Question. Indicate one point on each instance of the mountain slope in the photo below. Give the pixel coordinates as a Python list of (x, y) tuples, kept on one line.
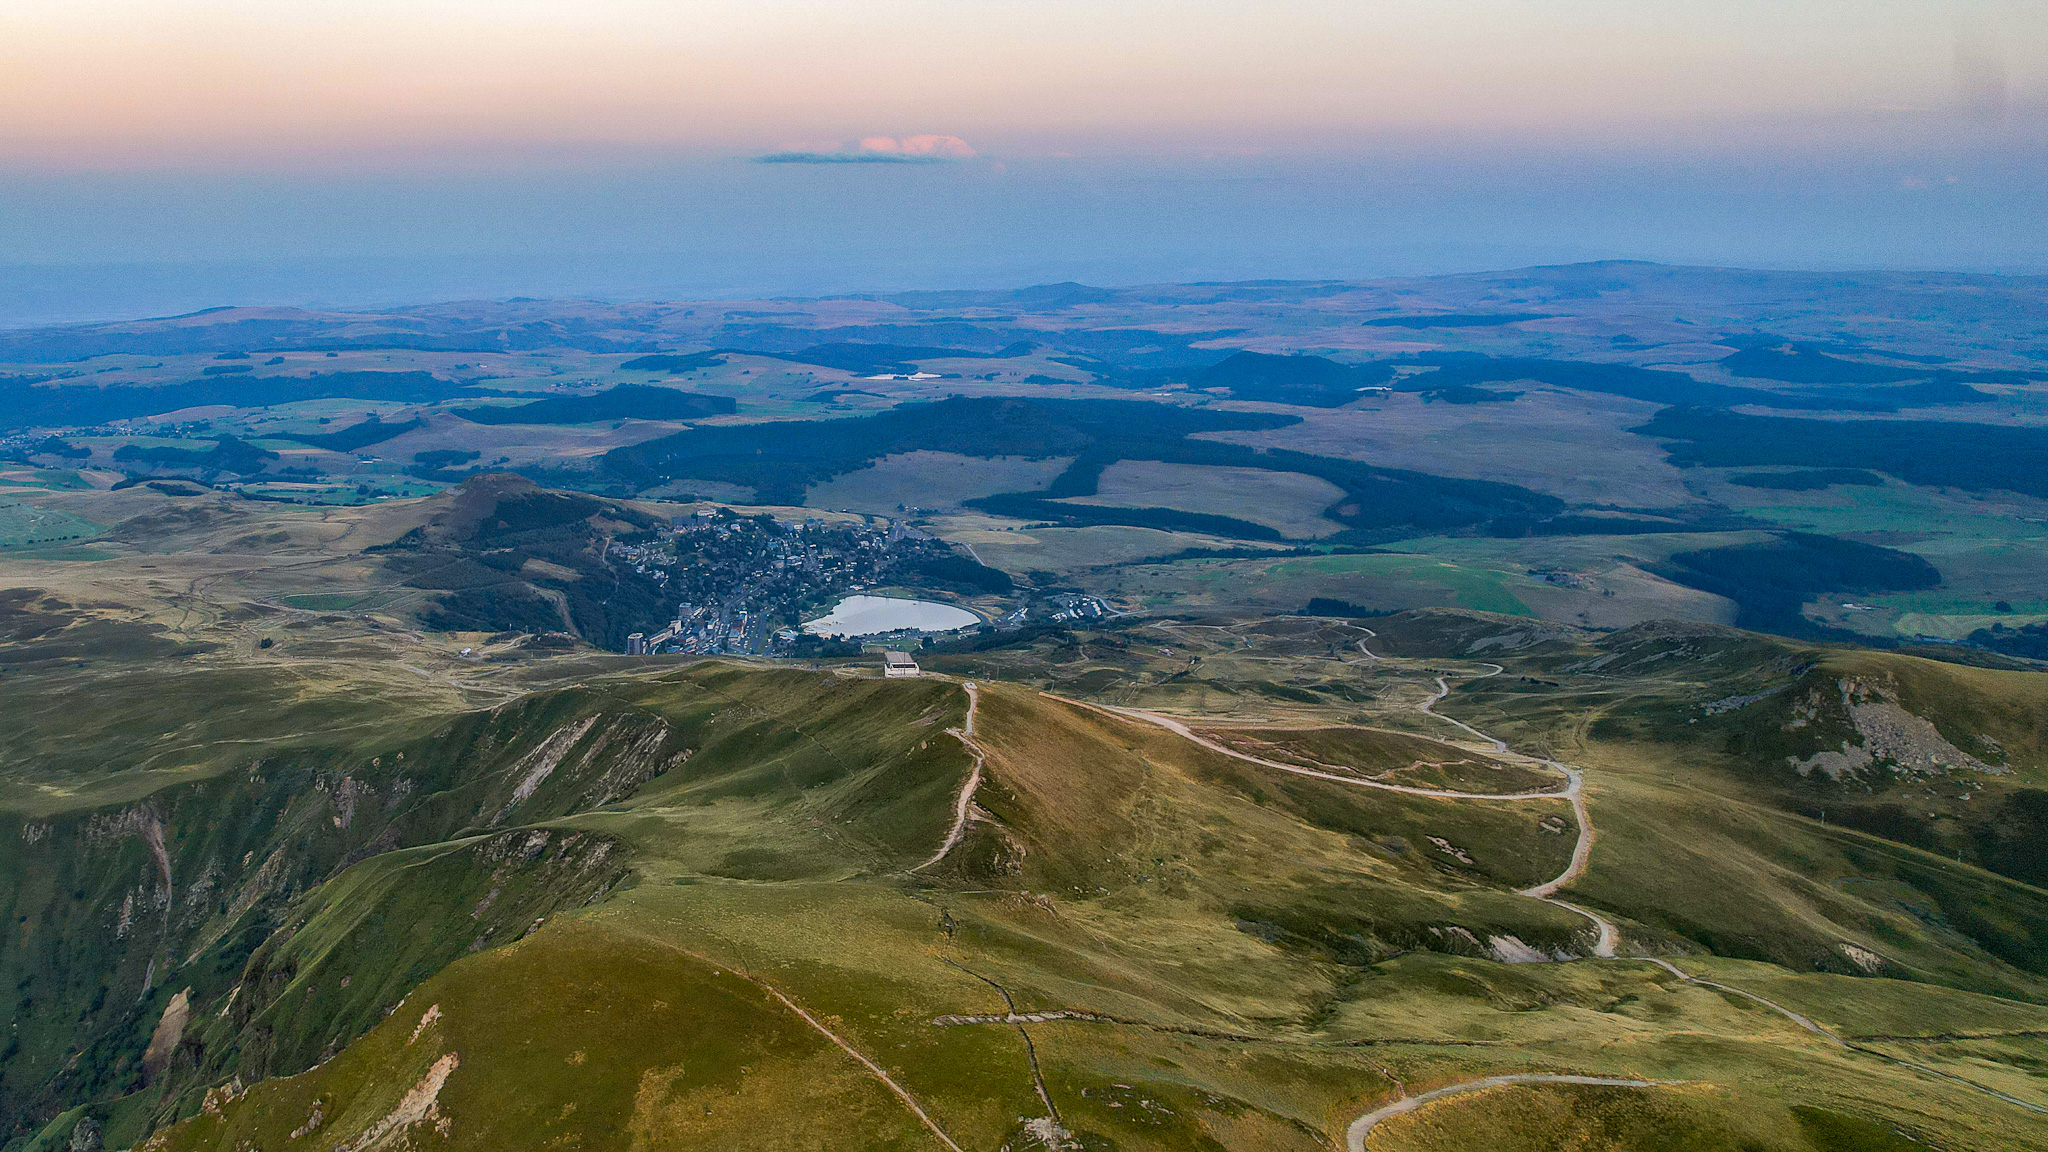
[(698, 905)]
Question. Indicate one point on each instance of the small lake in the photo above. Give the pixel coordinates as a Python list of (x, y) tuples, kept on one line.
[(868, 615)]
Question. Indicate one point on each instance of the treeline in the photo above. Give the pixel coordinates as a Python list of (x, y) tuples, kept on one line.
[(1654, 385), (56, 446), (844, 355), (1456, 377), (2029, 641), (1331, 606), (856, 356), (439, 464), (1934, 453), (72, 343)]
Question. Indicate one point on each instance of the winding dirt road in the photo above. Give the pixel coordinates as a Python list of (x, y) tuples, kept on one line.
[(1607, 938), (963, 808), (1354, 1136), (1182, 730), (1831, 1038), (873, 1068)]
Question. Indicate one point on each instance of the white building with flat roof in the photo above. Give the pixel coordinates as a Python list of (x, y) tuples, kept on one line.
[(898, 664)]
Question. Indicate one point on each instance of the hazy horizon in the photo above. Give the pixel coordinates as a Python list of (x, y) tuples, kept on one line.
[(106, 246), (161, 157)]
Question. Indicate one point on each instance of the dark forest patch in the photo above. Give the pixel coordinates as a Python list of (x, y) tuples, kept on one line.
[(45, 405), (1803, 364), (1310, 381), (1466, 394), (54, 446), (2029, 641), (674, 362), (1770, 582), (1935, 453), (228, 454), (1376, 502), (357, 436)]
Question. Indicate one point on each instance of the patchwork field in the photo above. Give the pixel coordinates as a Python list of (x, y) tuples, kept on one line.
[(1376, 580), (1067, 551), (1541, 441), (24, 525)]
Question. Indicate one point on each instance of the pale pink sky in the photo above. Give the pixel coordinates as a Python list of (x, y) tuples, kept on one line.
[(117, 83)]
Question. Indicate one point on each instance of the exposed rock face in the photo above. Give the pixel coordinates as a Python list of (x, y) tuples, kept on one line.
[(614, 760), (539, 764), (421, 1104), (170, 1028), (1888, 736)]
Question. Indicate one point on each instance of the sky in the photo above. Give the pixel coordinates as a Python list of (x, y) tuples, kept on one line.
[(157, 155)]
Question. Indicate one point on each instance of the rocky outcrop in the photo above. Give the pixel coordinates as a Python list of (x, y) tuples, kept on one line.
[(1887, 737)]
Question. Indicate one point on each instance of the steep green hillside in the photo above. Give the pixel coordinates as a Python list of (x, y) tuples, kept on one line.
[(345, 842), (1165, 884)]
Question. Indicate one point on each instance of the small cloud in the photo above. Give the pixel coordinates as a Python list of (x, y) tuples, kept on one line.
[(925, 149), (842, 158), (942, 147)]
